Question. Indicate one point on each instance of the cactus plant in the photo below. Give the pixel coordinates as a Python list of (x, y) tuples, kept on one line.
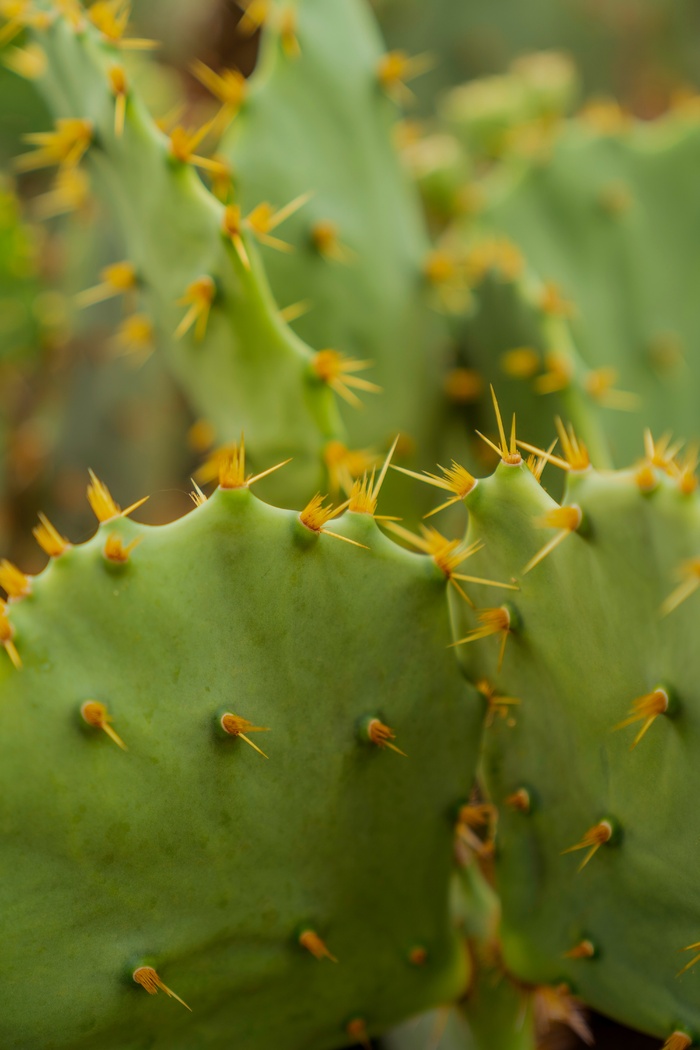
[(233, 876), (360, 246), (589, 213), (569, 314), (347, 874), (184, 289), (596, 646)]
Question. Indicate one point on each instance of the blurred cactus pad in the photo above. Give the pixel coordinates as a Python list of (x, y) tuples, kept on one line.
[(606, 272)]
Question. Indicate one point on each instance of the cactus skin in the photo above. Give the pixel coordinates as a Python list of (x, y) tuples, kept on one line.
[(196, 851), (249, 370), (587, 639), (373, 302), (591, 211)]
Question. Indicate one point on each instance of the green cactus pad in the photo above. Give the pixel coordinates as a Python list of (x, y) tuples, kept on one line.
[(606, 208), (319, 120), (597, 628), (241, 366), (537, 89), (190, 852)]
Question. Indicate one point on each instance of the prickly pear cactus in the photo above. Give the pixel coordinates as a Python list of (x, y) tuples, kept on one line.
[(340, 232), (247, 740), (486, 114), (237, 746), (590, 214), (360, 247), (192, 271), (593, 775)]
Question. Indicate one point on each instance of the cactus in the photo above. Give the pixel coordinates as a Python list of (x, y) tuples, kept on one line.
[(570, 314), (484, 114), (559, 239), (192, 271), (353, 221), (590, 212), (518, 336), (351, 874), (359, 242), (238, 886), (596, 647)]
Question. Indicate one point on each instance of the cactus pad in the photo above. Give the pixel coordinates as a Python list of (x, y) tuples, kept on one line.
[(359, 241), (590, 211), (148, 848), (192, 272), (594, 854)]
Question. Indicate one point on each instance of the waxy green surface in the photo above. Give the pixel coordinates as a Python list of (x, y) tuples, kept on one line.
[(192, 850), (610, 217), (589, 640), (249, 371), (319, 121)]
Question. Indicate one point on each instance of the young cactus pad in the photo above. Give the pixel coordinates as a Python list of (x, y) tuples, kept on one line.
[(604, 214), (320, 118), (319, 188), (595, 775), (140, 829), (191, 269)]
